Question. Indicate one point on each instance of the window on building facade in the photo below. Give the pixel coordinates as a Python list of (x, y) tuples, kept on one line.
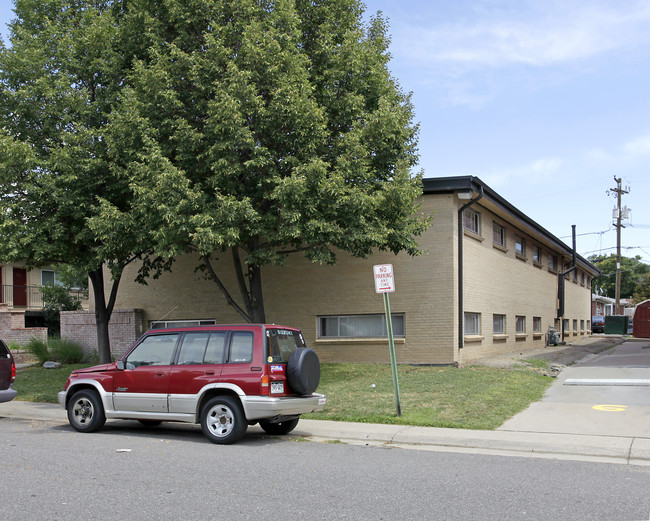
[(537, 255), (520, 245), (565, 324), (158, 324), (537, 324), (359, 326), (472, 221), (499, 234), (582, 325), (582, 278), (48, 278), (552, 262), (575, 324), (520, 324), (472, 323), (499, 324)]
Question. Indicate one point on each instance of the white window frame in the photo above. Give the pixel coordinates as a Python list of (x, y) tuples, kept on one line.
[(520, 324), (520, 245), (498, 324), (498, 234), (472, 221), (164, 324), (334, 326), (472, 324), (54, 282)]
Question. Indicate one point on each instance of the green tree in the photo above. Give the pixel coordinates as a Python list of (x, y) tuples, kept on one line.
[(632, 270), (59, 80), (642, 290), (263, 128)]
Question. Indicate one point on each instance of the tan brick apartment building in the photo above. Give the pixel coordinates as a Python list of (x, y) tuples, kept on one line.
[(487, 284)]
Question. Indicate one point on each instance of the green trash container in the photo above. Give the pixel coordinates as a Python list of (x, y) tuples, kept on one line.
[(616, 325)]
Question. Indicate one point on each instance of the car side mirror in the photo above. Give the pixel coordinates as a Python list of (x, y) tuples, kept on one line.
[(120, 365)]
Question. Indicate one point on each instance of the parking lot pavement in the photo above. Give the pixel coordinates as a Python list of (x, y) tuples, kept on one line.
[(607, 394)]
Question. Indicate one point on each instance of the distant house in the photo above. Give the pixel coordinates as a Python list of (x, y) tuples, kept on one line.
[(606, 306), (487, 284), (21, 301)]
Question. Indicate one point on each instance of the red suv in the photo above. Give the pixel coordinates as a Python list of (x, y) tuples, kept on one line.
[(223, 377), (7, 374)]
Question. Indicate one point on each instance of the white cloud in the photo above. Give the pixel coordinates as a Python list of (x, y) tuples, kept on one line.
[(539, 171), (638, 147), (548, 34)]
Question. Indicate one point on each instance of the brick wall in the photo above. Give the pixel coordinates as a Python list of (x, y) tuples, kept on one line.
[(124, 328), (12, 327), (298, 293)]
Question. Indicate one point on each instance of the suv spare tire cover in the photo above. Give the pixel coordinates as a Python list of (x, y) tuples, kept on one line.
[(303, 371)]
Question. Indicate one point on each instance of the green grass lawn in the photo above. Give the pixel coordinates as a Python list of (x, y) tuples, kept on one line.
[(469, 398)]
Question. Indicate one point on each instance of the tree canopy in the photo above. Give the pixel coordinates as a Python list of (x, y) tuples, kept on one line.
[(59, 81), (632, 273), (264, 128), (144, 129)]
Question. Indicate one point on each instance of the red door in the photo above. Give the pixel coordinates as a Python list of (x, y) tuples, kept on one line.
[(641, 326), (20, 287)]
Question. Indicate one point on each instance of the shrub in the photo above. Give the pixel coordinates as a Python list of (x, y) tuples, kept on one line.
[(39, 349), (57, 349), (65, 351)]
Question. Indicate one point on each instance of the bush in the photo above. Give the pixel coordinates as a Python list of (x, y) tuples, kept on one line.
[(57, 349), (39, 349), (66, 351)]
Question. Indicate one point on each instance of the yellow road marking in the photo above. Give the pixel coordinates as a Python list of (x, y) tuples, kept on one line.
[(610, 408)]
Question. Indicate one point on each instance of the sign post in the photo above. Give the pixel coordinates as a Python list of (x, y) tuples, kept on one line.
[(385, 283)]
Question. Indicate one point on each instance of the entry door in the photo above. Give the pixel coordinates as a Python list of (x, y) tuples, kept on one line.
[(20, 287)]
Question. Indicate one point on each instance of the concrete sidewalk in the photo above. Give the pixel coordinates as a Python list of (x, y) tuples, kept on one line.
[(608, 449)]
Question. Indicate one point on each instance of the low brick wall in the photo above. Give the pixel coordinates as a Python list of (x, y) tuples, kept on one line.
[(12, 327), (124, 328)]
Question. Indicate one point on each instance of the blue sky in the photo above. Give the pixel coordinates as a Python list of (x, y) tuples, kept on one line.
[(545, 101)]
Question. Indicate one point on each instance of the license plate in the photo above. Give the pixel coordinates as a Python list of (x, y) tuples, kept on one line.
[(277, 387)]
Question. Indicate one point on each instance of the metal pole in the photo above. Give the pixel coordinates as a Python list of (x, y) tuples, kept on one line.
[(617, 291), (393, 358)]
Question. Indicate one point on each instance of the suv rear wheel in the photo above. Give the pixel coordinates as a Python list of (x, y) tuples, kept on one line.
[(85, 411), (223, 421), (279, 428)]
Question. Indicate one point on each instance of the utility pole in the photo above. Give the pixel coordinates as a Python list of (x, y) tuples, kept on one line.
[(618, 215)]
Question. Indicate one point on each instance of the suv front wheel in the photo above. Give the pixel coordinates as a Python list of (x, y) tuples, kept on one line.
[(85, 411), (223, 421)]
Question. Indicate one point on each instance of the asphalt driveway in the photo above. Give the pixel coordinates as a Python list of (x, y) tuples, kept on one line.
[(606, 394)]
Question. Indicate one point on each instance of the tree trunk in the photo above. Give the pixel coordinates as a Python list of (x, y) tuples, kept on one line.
[(257, 313), (103, 311)]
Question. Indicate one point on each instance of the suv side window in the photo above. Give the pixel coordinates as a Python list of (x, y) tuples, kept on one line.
[(241, 347), (202, 348), (193, 348), (153, 350), (216, 348)]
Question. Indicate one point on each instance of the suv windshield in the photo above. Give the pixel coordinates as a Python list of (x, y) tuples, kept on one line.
[(281, 343)]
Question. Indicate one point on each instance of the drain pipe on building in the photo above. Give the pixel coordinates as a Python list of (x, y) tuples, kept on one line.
[(560, 286), (461, 321)]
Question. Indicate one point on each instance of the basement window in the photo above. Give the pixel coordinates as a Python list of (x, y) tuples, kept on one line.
[(360, 326)]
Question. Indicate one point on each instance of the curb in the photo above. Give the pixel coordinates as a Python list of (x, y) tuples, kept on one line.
[(604, 449)]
